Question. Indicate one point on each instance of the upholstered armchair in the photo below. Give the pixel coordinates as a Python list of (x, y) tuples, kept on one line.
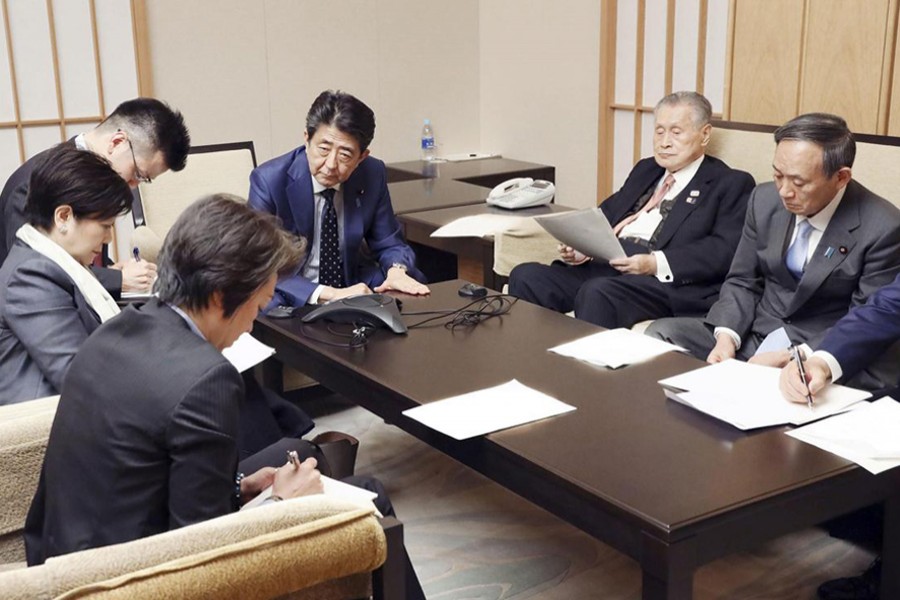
[(312, 547)]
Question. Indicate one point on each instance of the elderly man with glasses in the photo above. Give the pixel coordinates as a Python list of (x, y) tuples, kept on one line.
[(142, 139)]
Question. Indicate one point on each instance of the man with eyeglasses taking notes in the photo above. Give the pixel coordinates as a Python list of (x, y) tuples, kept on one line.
[(331, 192), (142, 139)]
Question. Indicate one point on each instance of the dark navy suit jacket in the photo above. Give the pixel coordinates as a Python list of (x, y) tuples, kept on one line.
[(864, 335), (283, 187)]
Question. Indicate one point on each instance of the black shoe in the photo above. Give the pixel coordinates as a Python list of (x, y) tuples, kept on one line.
[(861, 587)]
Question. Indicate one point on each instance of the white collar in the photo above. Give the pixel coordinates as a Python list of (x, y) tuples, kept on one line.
[(821, 219)]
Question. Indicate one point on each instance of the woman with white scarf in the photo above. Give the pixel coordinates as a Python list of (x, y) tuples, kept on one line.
[(50, 302)]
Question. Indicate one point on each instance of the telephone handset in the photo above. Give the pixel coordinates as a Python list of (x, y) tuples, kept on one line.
[(522, 192)]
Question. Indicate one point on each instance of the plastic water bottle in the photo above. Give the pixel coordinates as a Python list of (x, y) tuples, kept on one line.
[(427, 141)]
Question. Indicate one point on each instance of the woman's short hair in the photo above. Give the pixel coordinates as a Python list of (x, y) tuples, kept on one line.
[(80, 179), (219, 244)]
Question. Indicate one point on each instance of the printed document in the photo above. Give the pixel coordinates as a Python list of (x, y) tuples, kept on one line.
[(487, 410), (477, 226), (866, 435), (747, 396), (247, 352), (615, 348), (588, 231)]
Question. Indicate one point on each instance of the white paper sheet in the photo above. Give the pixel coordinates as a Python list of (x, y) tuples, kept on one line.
[(747, 396), (477, 226), (615, 348), (488, 410), (866, 436), (585, 230), (247, 352), (333, 488)]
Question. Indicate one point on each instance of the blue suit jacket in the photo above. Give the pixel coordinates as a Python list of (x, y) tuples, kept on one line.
[(283, 187), (864, 335)]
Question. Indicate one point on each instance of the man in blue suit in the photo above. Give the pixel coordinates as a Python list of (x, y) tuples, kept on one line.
[(859, 341), (856, 342), (331, 192)]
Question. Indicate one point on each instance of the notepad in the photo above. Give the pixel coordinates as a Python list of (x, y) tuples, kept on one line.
[(332, 488)]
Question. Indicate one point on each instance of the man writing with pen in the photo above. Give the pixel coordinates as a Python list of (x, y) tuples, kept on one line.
[(815, 244)]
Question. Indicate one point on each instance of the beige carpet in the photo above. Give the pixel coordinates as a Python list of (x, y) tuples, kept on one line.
[(472, 539)]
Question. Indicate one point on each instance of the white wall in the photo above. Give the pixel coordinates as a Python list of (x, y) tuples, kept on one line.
[(540, 84), (250, 70)]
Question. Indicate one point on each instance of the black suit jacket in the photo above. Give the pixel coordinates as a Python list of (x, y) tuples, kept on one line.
[(700, 234), (12, 216), (150, 449)]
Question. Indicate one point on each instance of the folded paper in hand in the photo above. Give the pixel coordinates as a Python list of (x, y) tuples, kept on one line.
[(588, 231), (247, 352)]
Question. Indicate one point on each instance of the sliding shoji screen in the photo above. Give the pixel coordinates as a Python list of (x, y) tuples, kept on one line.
[(652, 48), (64, 64)]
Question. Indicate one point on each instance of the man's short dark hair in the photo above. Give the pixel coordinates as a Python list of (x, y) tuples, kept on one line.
[(345, 112), (80, 179), (219, 244), (154, 127), (829, 132)]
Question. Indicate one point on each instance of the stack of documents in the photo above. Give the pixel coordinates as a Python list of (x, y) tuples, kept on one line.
[(866, 435), (488, 410), (747, 396), (477, 226), (588, 231), (247, 352), (615, 348)]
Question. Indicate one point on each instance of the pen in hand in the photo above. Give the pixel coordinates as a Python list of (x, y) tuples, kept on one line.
[(293, 458), (795, 356), (137, 254)]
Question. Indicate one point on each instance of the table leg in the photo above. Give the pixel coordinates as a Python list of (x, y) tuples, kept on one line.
[(890, 549), (668, 569)]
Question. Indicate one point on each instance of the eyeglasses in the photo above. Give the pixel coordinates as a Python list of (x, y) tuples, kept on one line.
[(141, 177)]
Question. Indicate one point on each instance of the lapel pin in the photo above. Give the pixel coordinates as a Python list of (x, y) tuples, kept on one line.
[(693, 197), (829, 252), (843, 249), (695, 193)]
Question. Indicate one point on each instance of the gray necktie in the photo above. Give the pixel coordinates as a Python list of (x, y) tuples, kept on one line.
[(795, 259)]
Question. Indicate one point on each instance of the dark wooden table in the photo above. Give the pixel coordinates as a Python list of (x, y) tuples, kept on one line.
[(474, 256), (487, 172), (426, 194), (660, 482)]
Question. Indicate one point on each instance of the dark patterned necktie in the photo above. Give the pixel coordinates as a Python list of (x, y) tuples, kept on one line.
[(331, 271)]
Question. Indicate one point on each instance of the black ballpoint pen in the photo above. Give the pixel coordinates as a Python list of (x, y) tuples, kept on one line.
[(795, 356)]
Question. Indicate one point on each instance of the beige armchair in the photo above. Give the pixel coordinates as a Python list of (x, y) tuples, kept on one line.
[(313, 547)]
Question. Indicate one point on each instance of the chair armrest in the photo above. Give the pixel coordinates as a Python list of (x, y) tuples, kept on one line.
[(265, 552)]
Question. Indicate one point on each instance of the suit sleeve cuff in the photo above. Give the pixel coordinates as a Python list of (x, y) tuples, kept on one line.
[(833, 365), (663, 270), (314, 297), (730, 333)]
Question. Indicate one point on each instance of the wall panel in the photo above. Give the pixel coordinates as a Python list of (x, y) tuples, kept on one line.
[(32, 58), (766, 61), (843, 60), (75, 54)]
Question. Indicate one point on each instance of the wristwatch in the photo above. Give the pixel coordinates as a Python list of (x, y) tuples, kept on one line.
[(400, 266)]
